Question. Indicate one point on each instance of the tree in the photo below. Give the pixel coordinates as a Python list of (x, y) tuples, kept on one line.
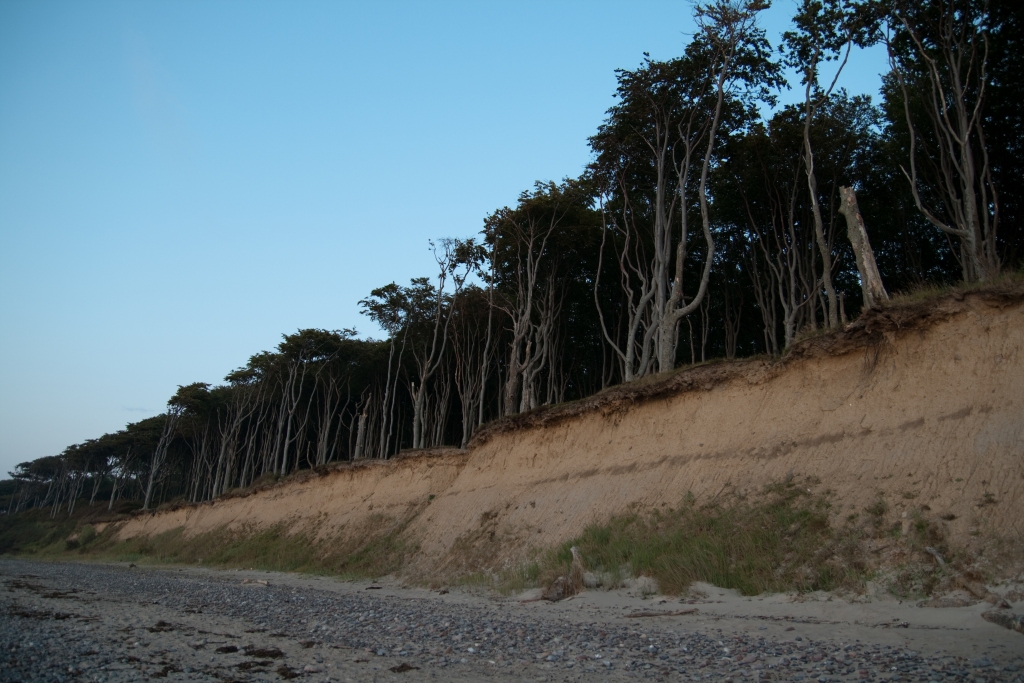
[(826, 30), (472, 351), (939, 53), (422, 314), (530, 243), (655, 145)]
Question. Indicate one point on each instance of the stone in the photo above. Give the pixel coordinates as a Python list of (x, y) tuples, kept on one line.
[(1014, 622)]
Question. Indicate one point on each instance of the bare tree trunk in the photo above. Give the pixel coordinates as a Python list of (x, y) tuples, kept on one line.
[(470, 361), (732, 325), (485, 362), (531, 239), (870, 279), (125, 463), (439, 413), (388, 409), (329, 408), (360, 436), (96, 486), (428, 359), (832, 310), (291, 396), (638, 291), (76, 491), (160, 453), (386, 414)]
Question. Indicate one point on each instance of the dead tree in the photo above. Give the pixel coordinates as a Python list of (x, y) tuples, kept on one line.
[(870, 279)]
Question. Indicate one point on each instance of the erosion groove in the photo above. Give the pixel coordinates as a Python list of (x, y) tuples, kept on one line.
[(918, 406)]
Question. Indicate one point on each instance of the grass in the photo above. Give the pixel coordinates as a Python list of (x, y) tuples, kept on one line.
[(378, 548), (927, 291), (782, 541), (34, 532), (377, 551)]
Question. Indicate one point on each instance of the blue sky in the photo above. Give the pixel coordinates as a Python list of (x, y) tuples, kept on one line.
[(182, 182)]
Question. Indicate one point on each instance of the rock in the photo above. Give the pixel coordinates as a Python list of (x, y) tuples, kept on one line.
[(389, 626), (1014, 622), (592, 580)]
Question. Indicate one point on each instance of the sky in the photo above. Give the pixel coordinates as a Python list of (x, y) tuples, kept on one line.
[(183, 182)]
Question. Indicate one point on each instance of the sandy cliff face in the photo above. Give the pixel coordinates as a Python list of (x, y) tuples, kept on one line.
[(346, 498), (929, 418)]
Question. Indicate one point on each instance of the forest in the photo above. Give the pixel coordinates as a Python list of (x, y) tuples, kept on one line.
[(710, 223)]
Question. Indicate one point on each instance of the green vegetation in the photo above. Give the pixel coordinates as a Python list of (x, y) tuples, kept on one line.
[(33, 532), (780, 541), (273, 549), (382, 550)]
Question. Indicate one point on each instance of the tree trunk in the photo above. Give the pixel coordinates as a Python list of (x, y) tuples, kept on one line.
[(360, 436), (832, 308), (96, 487), (160, 454), (870, 279)]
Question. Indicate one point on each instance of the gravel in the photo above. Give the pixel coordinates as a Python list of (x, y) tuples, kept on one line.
[(109, 623)]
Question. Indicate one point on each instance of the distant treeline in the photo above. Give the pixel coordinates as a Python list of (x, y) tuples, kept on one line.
[(699, 230)]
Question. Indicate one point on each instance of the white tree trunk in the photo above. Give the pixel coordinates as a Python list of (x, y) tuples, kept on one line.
[(870, 279)]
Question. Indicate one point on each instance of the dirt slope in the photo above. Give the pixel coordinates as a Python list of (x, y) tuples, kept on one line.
[(922, 406)]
